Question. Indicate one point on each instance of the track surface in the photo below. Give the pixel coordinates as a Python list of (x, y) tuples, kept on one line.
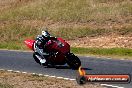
[(23, 61)]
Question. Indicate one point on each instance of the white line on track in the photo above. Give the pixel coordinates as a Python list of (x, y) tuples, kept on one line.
[(66, 78), (59, 77), (111, 86), (40, 74), (33, 73), (24, 72), (17, 71), (46, 75), (53, 76), (10, 70), (72, 79), (1, 69)]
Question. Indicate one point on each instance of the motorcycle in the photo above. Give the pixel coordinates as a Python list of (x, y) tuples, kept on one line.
[(60, 50)]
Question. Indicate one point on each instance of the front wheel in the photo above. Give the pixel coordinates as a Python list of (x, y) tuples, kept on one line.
[(73, 61)]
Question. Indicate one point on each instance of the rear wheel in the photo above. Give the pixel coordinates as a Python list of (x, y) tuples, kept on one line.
[(73, 61)]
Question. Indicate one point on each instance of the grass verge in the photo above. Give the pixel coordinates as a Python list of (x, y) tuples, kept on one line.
[(105, 52)]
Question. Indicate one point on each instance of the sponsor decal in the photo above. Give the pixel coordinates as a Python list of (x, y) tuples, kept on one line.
[(82, 78)]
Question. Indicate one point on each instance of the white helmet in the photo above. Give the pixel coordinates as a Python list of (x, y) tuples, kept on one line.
[(45, 34)]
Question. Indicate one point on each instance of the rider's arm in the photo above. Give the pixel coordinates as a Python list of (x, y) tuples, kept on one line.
[(53, 38), (50, 38), (39, 37), (40, 40)]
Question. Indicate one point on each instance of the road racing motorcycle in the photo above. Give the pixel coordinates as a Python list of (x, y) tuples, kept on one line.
[(60, 50)]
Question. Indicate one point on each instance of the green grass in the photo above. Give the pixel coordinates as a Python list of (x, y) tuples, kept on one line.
[(117, 52)]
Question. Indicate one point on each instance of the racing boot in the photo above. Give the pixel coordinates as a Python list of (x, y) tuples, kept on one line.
[(44, 61)]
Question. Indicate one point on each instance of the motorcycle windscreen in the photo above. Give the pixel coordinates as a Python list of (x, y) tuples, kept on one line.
[(60, 46), (66, 48), (29, 43)]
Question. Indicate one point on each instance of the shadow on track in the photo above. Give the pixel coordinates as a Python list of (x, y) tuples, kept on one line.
[(66, 67), (62, 67), (87, 68), (59, 67)]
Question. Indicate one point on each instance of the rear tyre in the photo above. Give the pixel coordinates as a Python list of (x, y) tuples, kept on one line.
[(73, 61)]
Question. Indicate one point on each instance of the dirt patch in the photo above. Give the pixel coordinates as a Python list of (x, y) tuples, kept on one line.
[(18, 80), (103, 42)]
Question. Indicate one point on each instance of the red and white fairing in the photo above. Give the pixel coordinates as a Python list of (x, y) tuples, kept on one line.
[(29, 43)]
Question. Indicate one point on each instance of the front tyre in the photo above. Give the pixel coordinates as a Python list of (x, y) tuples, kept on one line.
[(73, 61)]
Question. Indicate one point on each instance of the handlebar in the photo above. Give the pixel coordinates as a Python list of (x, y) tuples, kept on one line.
[(60, 44)]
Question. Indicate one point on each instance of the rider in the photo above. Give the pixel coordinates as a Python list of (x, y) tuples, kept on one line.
[(40, 43)]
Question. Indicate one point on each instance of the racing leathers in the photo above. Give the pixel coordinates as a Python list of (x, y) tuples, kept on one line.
[(40, 47)]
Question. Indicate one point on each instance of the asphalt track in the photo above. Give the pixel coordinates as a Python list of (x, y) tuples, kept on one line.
[(23, 61)]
